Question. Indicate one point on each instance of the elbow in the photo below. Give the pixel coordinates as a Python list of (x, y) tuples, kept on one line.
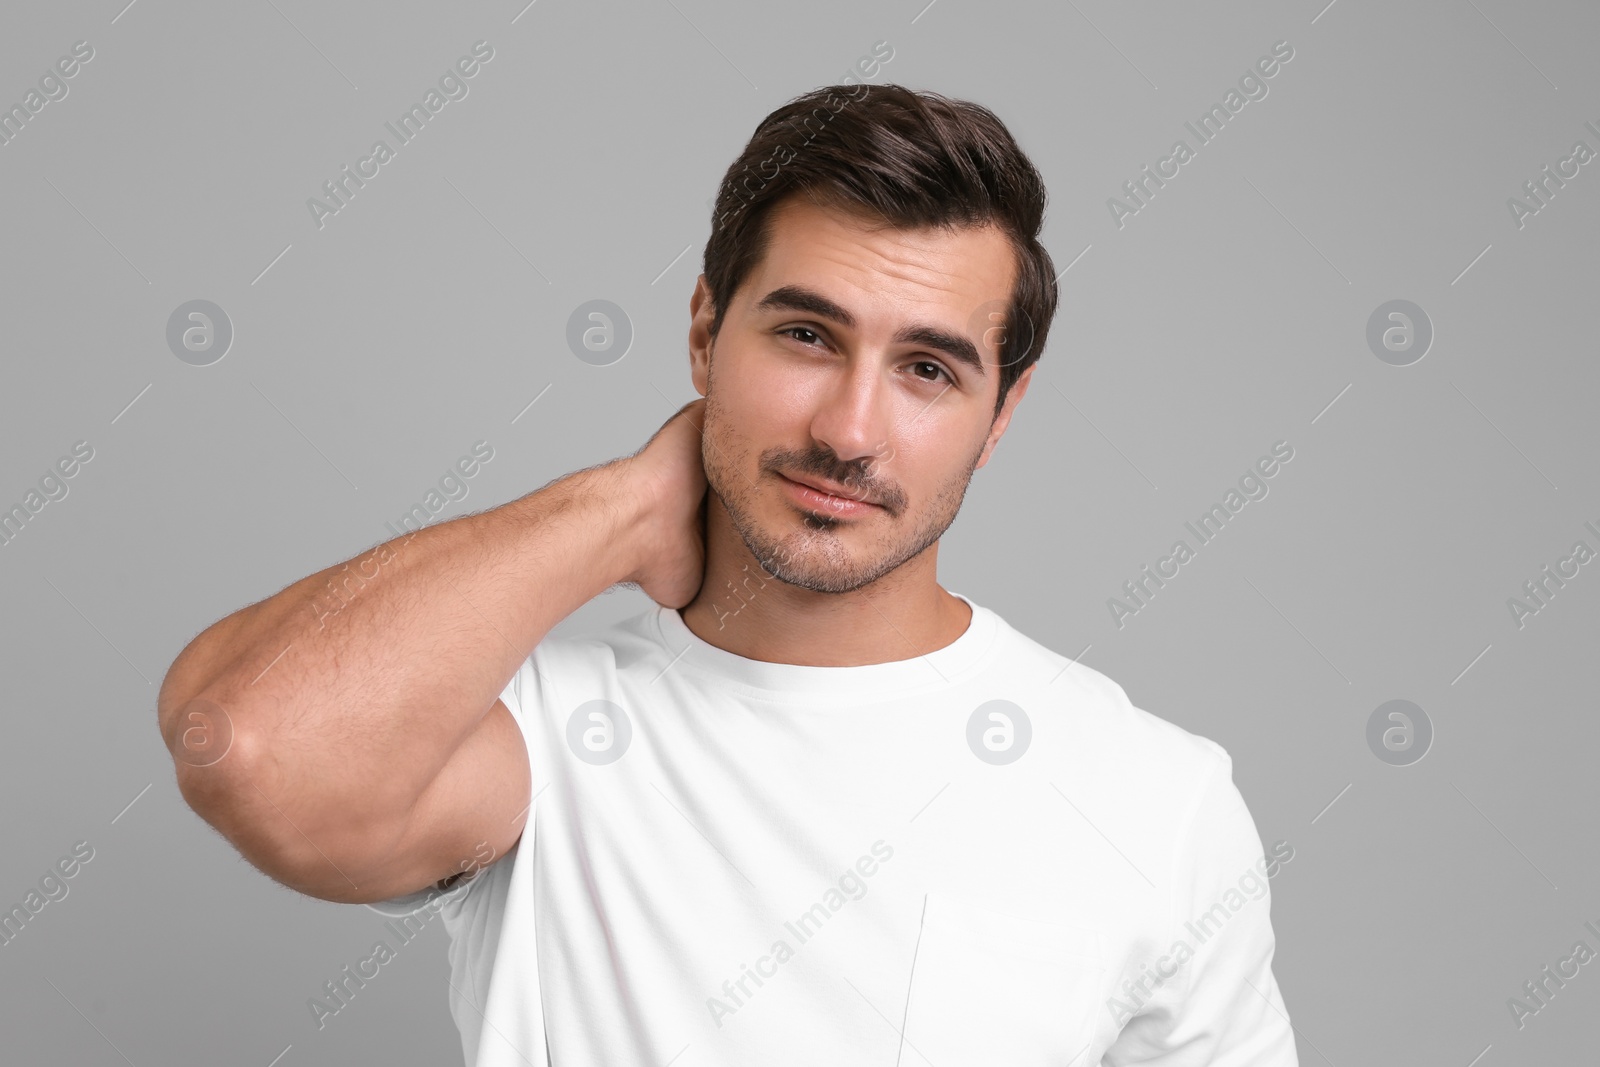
[(233, 782), (200, 735), (216, 779)]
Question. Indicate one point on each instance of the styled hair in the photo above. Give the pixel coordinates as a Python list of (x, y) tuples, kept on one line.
[(911, 158)]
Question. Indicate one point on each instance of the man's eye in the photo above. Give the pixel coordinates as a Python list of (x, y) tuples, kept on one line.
[(793, 330), (937, 367)]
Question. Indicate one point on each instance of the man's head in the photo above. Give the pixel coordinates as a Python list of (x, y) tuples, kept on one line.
[(873, 299)]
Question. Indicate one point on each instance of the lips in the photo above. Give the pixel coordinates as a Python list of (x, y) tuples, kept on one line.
[(831, 489)]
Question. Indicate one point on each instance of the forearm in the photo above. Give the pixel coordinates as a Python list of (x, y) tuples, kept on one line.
[(349, 689)]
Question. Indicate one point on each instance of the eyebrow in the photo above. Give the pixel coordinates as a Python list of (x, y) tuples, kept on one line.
[(798, 298)]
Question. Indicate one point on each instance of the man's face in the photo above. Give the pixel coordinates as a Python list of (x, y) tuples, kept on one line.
[(840, 360)]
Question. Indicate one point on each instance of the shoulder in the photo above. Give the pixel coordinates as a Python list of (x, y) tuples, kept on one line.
[(1100, 732)]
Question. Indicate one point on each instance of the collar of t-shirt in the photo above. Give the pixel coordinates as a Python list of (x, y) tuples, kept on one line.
[(844, 686)]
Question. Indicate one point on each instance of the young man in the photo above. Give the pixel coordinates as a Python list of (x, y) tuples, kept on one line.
[(810, 808)]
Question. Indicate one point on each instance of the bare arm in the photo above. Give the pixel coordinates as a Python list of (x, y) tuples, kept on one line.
[(364, 752)]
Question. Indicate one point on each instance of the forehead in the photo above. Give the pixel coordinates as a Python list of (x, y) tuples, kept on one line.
[(869, 266)]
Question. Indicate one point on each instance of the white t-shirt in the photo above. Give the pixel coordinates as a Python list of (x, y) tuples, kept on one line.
[(985, 854)]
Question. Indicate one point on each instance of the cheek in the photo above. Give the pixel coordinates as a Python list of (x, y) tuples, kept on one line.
[(788, 388), (943, 469), (731, 448), (772, 409), (926, 447)]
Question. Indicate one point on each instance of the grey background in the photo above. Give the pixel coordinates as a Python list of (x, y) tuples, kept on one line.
[(1228, 314)]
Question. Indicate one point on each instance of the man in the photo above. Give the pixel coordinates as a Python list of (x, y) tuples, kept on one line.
[(810, 807)]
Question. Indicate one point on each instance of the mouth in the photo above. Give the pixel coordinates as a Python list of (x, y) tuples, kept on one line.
[(822, 496)]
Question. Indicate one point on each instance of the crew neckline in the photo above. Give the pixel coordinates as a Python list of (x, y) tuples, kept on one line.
[(934, 670)]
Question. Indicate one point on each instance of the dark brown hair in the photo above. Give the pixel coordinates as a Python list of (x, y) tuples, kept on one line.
[(911, 158)]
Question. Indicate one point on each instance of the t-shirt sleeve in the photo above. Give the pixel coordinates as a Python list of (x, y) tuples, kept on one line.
[(455, 886), (1217, 1003)]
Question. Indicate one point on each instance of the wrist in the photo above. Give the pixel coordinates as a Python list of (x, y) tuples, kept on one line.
[(624, 494)]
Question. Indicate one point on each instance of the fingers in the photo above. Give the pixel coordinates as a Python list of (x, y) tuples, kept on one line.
[(664, 425), (680, 411)]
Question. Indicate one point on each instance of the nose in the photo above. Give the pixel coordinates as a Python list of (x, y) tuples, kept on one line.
[(854, 416)]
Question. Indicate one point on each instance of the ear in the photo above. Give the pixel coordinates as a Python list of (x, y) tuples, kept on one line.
[(1019, 389), (701, 311)]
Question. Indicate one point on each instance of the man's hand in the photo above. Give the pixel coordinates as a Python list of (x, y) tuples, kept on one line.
[(670, 472)]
